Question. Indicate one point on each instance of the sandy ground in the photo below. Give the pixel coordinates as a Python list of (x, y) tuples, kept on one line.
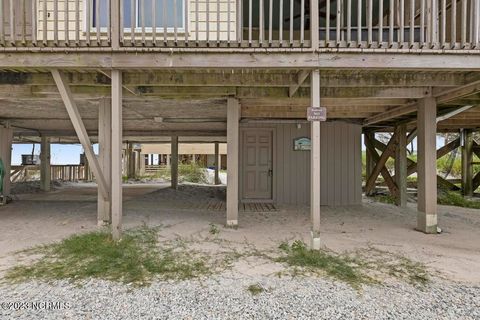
[(40, 218)]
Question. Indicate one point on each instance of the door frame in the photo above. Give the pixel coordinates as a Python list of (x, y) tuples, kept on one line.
[(272, 129)]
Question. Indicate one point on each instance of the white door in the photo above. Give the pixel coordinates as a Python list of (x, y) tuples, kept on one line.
[(257, 164)]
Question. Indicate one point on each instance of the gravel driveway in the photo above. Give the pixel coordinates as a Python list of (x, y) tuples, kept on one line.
[(227, 297)]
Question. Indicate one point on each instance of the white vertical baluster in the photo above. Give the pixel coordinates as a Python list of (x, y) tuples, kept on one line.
[(34, 22), (359, 23), (250, 22), (280, 23), (302, 22), (291, 21), (349, 22), (412, 23), (380, 23), (154, 22), (391, 22), (270, 23), (453, 24), (327, 22)]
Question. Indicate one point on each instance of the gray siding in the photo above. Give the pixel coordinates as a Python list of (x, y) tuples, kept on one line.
[(340, 164)]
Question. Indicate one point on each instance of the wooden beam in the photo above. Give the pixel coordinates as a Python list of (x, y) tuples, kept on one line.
[(391, 114), (185, 92), (412, 165), (45, 174), (315, 163), (449, 147), (301, 77), (108, 74), (369, 163), (401, 165), (6, 138), (427, 166), (174, 163), (467, 158), (240, 78), (217, 163), (444, 96), (379, 167), (170, 58), (233, 137), (476, 148), (104, 208), (80, 130), (116, 156), (453, 113)]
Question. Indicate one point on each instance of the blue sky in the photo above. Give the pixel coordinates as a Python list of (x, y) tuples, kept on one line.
[(70, 153), (61, 153)]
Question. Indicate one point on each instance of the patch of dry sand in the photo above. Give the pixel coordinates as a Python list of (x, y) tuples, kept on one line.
[(43, 218)]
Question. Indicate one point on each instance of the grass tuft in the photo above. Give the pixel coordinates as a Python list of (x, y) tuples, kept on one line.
[(384, 198), (338, 267), (451, 198), (135, 259), (380, 263), (255, 289), (191, 172), (362, 267), (214, 230)]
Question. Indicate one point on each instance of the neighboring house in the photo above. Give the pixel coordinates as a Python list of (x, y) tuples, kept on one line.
[(245, 72), (202, 154)]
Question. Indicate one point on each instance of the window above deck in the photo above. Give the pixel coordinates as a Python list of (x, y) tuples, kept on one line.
[(347, 24), (138, 13)]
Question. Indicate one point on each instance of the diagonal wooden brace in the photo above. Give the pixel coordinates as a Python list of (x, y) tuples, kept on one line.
[(392, 186), (380, 164), (412, 165), (80, 130)]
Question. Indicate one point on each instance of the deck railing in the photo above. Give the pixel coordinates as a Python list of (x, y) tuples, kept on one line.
[(388, 24), (418, 24), (69, 172)]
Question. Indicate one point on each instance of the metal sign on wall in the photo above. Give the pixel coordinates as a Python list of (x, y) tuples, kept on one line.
[(302, 144), (317, 114)]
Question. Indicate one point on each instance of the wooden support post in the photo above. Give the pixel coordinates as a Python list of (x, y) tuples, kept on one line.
[(217, 163), (141, 168), (427, 166), (369, 163), (401, 165), (104, 209), (174, 163), (116, 156), (467, 157), (6, 138), (137, 163), (130, 161), (233, 134), (315, 162), (80, 130), (45, 172)]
